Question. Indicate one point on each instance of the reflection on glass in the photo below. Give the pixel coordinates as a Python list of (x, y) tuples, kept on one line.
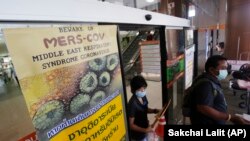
[(14, 113), (150, 5)]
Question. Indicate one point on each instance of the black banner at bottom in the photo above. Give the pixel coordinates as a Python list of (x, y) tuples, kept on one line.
[(226, 132)]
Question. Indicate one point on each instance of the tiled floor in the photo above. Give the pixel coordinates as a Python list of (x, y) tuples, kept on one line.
[(233, 101), (14, 120)]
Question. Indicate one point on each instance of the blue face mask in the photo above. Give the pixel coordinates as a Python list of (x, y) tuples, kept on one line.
[(140, 94), (222, 74)]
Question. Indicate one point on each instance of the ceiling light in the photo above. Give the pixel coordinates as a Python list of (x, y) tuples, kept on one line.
[(150, 0), (191, 11)]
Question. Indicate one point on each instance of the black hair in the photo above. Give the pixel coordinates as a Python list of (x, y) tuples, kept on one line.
[(213, 61), (137, 82)]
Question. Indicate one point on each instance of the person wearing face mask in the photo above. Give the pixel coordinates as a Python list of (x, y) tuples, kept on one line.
[(138, 110), (208, 101)]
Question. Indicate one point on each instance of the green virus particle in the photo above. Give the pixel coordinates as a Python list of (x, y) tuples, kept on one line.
[(96, 98), (112, 62), (97, 64), (104, 79), (79, 103), (88, 82), (48, 115)]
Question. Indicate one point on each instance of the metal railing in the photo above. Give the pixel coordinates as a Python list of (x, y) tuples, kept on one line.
[(130, 43), (132, 61)]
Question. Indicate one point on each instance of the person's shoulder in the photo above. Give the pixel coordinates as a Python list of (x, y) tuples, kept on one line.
[(145, 98), (133, 104), (132, 100), (203, 82)]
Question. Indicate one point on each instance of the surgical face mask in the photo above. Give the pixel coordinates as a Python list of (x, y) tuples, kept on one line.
[(140, 94), (222, 74)]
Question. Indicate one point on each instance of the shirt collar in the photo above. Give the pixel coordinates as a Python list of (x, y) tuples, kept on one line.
[(211, 77)]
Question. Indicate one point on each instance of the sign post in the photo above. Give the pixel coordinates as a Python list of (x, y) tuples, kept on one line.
[(71, 81), (189, 66)]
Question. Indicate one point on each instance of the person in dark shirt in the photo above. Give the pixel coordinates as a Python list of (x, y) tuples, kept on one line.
[(138, 110), (209, 104)]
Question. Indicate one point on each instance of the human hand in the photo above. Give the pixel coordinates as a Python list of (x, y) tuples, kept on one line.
[(156, 111), (239, 120), (247, 122), (149, 129)]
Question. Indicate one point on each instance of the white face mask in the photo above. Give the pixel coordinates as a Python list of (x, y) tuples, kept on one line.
[(222, 74), (140, 94)]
